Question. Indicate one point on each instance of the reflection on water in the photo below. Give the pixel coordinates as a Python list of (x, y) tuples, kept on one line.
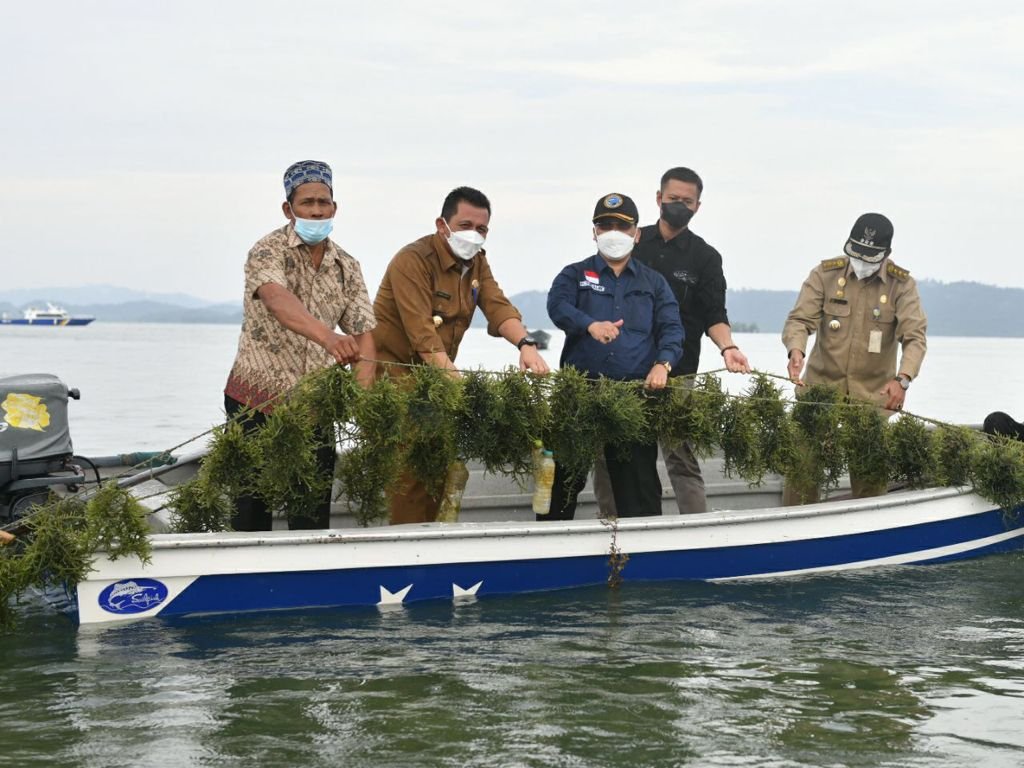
[(901, 667)]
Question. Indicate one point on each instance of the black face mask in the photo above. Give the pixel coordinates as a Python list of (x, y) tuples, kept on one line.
[(676, 215)]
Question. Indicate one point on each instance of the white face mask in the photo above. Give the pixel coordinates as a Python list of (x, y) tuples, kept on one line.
[(466, 243), (615, 245), (863, 269)]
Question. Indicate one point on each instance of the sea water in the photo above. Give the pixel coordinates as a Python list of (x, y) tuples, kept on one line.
[(891, 667)]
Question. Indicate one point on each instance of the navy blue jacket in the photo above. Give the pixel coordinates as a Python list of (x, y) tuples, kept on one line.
[(589, 291)]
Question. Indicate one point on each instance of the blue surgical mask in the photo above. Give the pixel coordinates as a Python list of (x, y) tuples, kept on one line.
[(313, 231)]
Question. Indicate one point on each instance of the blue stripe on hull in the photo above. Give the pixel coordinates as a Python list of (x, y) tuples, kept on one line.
[(737, 562), (269, 591)]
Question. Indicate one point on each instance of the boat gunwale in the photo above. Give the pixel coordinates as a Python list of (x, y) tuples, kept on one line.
[(521, 528)]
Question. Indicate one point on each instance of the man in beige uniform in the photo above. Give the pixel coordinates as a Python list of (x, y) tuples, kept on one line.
[(426, 302), (862, 306)]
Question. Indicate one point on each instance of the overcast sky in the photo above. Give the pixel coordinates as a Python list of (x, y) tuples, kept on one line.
[(143, 142)]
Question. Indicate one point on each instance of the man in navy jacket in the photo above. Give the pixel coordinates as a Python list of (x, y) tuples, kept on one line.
[(621, 321)]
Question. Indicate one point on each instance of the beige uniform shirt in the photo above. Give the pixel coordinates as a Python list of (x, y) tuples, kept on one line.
[(859, 324), (422, 282), (271, 359)]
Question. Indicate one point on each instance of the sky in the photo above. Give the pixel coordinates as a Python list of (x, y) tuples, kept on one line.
[(143, 143)]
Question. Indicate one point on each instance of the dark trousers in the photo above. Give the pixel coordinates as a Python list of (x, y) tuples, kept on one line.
[(633, 471), (251, 513), (1000, 423)]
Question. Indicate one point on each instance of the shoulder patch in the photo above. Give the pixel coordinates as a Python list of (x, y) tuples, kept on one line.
[(829, 264), (898, 272)]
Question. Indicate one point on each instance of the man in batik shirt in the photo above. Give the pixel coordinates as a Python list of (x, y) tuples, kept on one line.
[(300, 288)]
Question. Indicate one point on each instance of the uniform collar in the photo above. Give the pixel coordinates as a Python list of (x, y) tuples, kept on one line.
[(652, 232), (599, 264), (882, 273)]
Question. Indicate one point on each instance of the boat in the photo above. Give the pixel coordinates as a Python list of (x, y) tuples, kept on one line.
[(543, 338), (52, 315), (497, 547)]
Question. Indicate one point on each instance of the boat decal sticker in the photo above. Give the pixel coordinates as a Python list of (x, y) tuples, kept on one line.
[(26, 411), (133, 596), (458, 591), (388, 597)]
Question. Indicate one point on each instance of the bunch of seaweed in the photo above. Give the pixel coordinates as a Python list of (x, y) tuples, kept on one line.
[(63, 536)]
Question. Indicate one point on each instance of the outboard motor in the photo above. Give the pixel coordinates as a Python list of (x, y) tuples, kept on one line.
[(35, 442)]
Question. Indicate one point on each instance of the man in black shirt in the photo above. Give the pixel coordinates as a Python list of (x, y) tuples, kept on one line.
[(694, 272)]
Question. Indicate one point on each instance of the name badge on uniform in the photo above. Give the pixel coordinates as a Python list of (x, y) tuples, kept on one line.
[(875, 342)]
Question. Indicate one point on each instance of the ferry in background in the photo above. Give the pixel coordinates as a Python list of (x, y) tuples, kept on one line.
[(52, 315)]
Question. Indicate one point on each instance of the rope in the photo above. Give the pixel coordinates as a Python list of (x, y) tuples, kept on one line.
[(675, 381)]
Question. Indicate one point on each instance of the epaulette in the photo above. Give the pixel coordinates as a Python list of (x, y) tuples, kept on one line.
[(829, 264), (898, 272)]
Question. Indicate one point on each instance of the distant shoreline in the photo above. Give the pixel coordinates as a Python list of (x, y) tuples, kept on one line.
[(954, 309)]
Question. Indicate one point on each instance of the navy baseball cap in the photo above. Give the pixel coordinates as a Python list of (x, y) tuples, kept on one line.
[(616, 206)]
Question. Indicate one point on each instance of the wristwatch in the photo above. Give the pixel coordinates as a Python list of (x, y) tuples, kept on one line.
[(526, 341), (666, 363), (904, 381)]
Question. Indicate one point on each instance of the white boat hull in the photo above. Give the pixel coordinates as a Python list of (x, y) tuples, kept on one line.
[(236, 572)]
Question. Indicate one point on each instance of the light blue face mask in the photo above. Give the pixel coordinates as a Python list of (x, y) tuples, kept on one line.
[(313, 231)]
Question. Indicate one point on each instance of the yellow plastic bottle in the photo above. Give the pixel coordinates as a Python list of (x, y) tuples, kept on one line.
[(543, 480), (454, 486)]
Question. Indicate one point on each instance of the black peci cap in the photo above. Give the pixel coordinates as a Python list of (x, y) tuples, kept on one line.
[(871, 234), (616, 206)]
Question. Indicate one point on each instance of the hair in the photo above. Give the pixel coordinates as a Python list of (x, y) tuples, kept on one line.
[(684, 175), (474, 197)]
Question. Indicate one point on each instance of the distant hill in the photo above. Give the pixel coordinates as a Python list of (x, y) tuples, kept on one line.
[(96, 294), (954, 309)]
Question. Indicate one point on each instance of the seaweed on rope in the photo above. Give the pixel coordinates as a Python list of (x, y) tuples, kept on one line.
[(430, 431), (910, 452), (500, 421), (866, 443), (374, 451), (200, 506), (692, 413), (951, 448), (819, 460), (422, 422), (997, 472), (65, 534), (287, 476)]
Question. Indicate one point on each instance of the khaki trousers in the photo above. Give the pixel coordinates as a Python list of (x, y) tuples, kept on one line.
[(797, 493), (410, 502)]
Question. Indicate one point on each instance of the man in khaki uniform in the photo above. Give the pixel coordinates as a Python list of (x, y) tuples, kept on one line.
[(862, 306), (426, 302)]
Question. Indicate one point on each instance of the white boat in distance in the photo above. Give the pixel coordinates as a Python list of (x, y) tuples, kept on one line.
[(52, 315)]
